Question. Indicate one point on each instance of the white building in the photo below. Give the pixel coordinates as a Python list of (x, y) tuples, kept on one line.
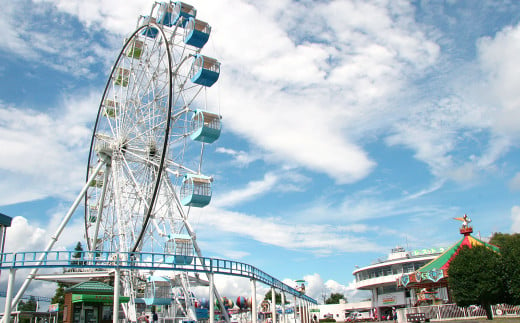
[(340, 311), (380, 277)]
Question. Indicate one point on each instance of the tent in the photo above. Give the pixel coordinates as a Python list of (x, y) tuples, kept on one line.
[(435, 273)]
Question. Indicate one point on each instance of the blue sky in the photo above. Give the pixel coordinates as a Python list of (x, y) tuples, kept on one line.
[(349, 127)]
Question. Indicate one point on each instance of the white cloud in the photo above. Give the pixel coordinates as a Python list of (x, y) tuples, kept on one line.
[(252, 190), (314, 120), (45, 154), (117, 16), (320, 290), (321, 239), (233, 287), (241, 157), (497, 57), (279, 181), (314, 82), (328, 68), (24, 236), (54, 43)]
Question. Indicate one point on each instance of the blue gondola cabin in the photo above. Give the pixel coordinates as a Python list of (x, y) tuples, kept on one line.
[(158, 291), (165, 14), (205, 70), (180, 246), (197, 33), (182, 12), (150, 31), (196, 190), (205, 126)]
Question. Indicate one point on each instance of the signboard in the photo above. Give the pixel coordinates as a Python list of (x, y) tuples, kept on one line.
[(391, 299), (54, 307), (430, 251), (388, 300), (107, 299)]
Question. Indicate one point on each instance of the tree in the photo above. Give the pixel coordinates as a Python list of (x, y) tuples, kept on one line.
[(510, 251), (475, 277), (29, 306), (78, 253), (59, 298), (277, 297), (334, 298)]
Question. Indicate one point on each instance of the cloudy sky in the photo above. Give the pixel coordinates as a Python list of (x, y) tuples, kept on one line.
[(349, 127)]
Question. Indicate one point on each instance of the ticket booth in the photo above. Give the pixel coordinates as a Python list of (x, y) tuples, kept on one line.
[(90, 302)]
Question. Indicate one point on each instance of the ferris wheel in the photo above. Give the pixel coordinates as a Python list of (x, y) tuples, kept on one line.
[(151, 129)]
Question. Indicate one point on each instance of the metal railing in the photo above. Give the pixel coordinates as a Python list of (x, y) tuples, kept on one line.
[(454, 312), (140, 261)]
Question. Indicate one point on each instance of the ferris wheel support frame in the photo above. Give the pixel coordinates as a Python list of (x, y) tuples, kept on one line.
[(53, 240), (193, 236), (108, 169)]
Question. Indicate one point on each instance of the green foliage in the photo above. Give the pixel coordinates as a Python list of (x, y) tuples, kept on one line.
[(334, 298), (277, 297), (510, 251), (29, 306), (59, 295), (475, 277), (59, 298), (78, 251), (327, 319)]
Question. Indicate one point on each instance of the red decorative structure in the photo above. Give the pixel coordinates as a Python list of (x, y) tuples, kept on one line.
[(434, 274)]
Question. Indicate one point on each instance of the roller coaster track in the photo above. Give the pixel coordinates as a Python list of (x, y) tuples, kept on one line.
[(141, 261)]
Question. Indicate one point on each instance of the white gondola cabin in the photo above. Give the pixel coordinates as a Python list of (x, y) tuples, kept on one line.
[(182, 12), (150, 31), (197, 33), (110, 108), (122, 76), (98, 180), (135, 49), (206, 126), (204, 70), (196, 190), (158, 291), (93, 212), (103, 147), (180, 246)]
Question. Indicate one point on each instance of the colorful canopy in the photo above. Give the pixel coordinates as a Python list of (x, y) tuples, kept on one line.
[(437, 270)]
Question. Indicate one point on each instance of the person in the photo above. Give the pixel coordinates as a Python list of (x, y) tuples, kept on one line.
[(143, 318), (155, 317), (394, 314)]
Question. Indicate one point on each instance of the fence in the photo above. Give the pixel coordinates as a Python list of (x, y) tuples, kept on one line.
[(454, 312)]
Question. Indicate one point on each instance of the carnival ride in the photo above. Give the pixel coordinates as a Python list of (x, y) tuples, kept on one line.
[(144, 170)]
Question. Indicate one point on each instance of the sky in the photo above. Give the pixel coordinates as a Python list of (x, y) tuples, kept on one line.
[(349, 127)]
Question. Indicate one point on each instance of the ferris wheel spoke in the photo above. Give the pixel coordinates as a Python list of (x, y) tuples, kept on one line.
[(173, 168), (134, 183)]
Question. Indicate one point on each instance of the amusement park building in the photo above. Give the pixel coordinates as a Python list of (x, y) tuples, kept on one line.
[(381, 278)]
